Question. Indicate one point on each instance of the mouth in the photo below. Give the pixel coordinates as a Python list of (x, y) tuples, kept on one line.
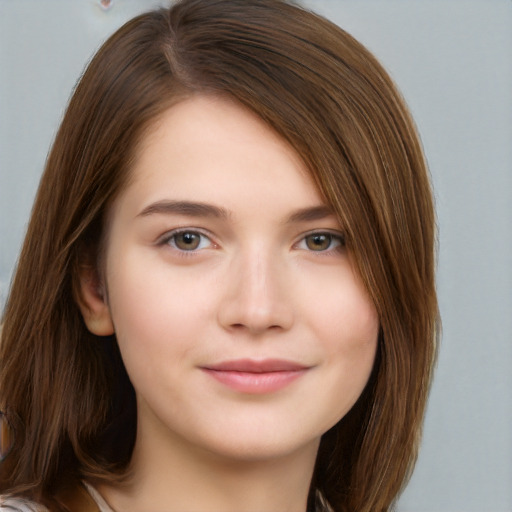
[(256, 377)]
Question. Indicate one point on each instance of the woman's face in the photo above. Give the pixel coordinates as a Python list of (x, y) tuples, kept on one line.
[(240, 319)]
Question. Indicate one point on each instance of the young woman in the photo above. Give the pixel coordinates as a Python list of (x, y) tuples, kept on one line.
[(225, 300)]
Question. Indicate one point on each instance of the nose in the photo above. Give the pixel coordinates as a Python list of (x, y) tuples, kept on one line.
[(257, 295)]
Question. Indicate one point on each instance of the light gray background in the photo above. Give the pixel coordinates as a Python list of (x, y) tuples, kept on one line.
[(452, 61)]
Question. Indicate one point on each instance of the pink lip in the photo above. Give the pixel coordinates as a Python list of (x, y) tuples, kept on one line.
[(256, 377)]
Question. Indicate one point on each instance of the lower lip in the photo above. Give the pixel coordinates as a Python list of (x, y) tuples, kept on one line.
[(255, 383)]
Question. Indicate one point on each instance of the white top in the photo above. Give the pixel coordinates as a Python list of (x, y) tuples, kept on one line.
[(23, 505), (98, 498)]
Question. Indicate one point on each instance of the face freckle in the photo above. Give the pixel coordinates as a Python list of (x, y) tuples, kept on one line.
[(239, 336)]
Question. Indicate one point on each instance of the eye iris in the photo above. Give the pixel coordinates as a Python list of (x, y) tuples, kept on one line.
[(318, 242), (187, 241)]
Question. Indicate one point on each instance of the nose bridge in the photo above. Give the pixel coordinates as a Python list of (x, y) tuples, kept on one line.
[(257, 298), (257, 271)]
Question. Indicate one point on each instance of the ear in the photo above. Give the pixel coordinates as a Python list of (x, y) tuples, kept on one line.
[(93, 302)]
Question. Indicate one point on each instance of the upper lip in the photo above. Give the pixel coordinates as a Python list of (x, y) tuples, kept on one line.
[(256, 366)]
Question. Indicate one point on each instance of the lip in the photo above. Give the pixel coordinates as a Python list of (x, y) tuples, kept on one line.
[(256, 376)]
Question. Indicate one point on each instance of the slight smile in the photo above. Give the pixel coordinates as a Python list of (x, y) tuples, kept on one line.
[(256, 377)]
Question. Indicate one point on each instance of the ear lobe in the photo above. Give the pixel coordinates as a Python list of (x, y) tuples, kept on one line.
[(93, 303)]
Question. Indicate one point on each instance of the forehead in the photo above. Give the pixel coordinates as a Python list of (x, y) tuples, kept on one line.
[(213, 146)]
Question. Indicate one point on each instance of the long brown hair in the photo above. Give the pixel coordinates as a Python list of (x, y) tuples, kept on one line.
[(65, 392)]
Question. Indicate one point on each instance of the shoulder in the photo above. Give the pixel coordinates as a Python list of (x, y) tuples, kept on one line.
[(19, 505)]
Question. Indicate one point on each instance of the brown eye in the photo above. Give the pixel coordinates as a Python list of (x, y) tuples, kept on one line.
[(186, 240), (319, 242)]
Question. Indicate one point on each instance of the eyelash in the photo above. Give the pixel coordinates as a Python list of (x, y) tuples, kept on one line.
[(169, 239)]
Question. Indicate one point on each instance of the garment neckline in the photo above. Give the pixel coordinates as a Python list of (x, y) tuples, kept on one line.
[(98, 498)]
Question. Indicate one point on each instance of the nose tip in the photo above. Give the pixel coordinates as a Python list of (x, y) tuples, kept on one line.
[(257, 299), (258, 317)]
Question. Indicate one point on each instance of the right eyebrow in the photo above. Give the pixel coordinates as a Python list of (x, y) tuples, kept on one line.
[(186, 208)]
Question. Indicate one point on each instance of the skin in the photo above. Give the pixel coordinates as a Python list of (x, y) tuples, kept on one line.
[(260, 273)]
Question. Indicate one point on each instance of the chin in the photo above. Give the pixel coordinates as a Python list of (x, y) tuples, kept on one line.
[(257, 447)]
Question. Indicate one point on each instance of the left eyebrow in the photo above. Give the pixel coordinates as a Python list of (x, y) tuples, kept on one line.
[(186, 208), (310, 214)]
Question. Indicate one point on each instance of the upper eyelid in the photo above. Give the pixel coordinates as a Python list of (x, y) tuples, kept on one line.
[(323, 231), (165, 237)]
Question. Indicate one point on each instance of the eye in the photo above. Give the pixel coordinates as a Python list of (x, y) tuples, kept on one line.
[(321, 242), (187, 240)]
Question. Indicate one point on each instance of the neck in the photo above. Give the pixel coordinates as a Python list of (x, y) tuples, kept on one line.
[(180, 477)]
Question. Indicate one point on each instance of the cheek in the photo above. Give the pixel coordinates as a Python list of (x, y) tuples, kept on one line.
[(158, 310), (143, 305), (347, 326), (346, 318)]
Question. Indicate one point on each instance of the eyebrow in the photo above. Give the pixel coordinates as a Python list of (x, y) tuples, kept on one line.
[(310, 214), (198, 209), (187, 208)]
